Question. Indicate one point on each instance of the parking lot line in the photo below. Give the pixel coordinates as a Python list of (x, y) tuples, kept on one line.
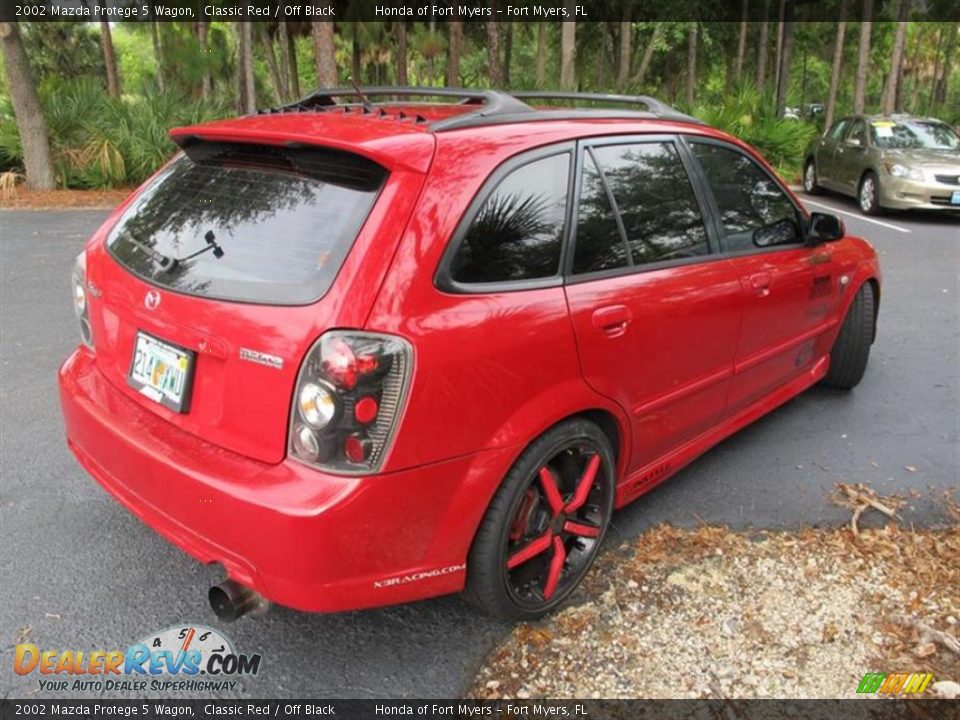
[(858, 216)]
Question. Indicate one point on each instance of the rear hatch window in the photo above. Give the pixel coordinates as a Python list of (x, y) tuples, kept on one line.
[(248, 223)]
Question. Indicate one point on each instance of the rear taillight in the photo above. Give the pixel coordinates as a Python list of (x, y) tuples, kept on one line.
[(348, 399), (78, 282)]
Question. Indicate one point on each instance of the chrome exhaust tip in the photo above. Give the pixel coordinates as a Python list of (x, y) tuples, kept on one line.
[(230, 601)]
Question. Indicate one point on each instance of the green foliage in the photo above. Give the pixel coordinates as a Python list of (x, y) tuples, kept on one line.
[(63, 49), (99, 141), (749, 116)]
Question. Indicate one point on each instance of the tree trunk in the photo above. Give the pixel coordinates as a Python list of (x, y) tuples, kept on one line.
[(541, 54), (507, 54), (34, 138), (783, 72), (109, 58), (888, 102), (356, 67), (206, 86), (493, 50), (453, 59), (943, 84), (779, 51), (246, 91), (647, 56), (692, 64), (623, 61), (289, 50), (279, 86), (837, 65), (282, 60), (863, 58), (742, 43), (400, 28), (325, 54), (762, 48), (568, 52), (158, 55)]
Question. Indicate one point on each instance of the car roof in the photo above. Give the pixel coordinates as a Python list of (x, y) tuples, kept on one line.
[(400, 129)]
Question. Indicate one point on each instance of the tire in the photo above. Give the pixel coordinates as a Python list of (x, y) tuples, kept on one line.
[(868, 194), (851, 351), (810, 184), (524, 515)]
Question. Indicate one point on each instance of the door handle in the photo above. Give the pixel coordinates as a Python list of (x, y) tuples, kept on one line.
[(612, 319), (760, 283)]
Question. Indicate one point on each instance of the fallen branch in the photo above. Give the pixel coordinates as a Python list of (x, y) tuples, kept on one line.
[(929, 634)]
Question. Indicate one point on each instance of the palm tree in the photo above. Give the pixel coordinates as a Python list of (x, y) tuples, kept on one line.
[(837, 64), (692, 62), (742, 42), (109, 57), (568, 51), (453, 59), (493, 49), (34, 136), (863, 58), (325, 54), (888, 102), (400, 28)]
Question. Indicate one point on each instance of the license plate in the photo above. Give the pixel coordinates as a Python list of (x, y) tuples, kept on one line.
[(162, 372), (955, 200)]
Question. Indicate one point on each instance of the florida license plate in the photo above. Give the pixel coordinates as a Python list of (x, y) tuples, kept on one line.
[(955, 200), (162, 372)]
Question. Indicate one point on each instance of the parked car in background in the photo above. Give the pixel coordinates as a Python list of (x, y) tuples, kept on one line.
[(894, 162), (361, 353)]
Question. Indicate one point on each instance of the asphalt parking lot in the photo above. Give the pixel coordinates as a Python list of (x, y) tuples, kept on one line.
[(82, 573)]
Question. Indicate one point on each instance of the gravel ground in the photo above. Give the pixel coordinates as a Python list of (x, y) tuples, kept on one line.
[(712, 613)]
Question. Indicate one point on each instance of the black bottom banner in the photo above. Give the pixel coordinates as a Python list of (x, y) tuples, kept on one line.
[(865, 709)]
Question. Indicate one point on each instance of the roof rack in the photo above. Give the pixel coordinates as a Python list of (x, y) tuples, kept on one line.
[(494, 107), (657, 107)]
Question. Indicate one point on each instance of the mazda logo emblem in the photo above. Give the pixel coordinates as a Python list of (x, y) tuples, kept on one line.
[(152, 300)]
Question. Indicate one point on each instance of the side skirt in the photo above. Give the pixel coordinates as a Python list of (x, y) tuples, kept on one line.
[(651, 475)]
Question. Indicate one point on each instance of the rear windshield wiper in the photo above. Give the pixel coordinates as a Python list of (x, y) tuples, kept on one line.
[(169, 264)]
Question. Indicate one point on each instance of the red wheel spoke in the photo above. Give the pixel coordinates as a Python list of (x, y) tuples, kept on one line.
[(529, 551), (584, 484), (550, 490), (556, 568), (581, 529)]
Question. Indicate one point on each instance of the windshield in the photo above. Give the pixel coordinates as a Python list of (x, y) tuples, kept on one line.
[(910, 134), (248, 223)]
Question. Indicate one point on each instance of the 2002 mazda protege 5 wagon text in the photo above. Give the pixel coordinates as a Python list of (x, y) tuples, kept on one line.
[(361, 353)]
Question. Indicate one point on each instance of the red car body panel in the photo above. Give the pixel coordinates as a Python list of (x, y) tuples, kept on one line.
[(491, 372)]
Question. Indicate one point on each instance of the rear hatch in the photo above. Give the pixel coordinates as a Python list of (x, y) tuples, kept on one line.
[(216, 279)]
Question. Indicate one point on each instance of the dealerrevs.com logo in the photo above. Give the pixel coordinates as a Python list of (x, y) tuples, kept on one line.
[(182, 658)]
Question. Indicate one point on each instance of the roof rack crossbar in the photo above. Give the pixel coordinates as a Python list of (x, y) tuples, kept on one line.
[(652, 104)]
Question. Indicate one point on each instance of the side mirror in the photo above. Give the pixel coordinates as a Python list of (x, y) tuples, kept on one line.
[(824, 227), (853, 142)]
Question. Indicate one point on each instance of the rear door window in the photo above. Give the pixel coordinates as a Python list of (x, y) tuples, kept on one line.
[(637, 207), (248, 223)]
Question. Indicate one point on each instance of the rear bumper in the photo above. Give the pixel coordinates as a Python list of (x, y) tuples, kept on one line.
[(901, 194), (301, 538)]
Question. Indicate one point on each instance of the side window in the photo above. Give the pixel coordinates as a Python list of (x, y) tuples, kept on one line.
[(754, 210), (837, 131), (518, 231), (858, 131), (659, 218), (600, 244)]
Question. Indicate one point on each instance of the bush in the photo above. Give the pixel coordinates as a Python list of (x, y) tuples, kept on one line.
[(751, 117), (102, 142)]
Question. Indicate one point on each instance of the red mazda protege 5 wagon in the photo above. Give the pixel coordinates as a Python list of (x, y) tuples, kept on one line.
[(361, 353)]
